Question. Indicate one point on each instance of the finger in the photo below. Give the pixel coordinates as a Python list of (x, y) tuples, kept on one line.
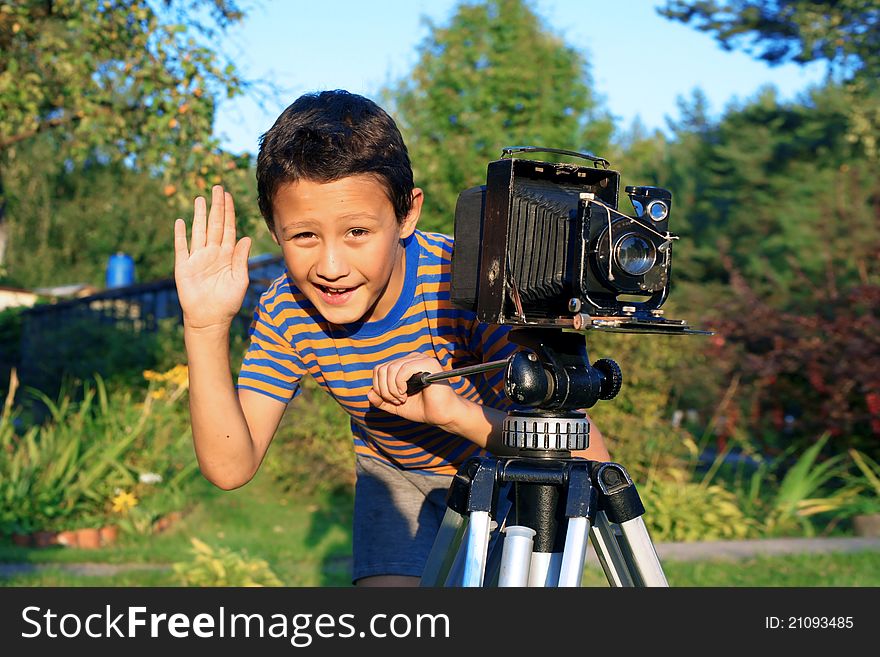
[(399, 370), (200, 213), (216, 216), (403, 375), (240, 258), (228, 239), (380, 403), (181, 253), (380, 384)]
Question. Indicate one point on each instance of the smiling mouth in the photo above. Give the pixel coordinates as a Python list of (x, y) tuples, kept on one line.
[(335, 295)]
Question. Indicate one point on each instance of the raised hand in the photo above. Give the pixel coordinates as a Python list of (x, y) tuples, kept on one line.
[(212, 274)]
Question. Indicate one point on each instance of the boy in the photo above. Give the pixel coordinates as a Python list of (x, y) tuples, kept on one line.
[(364, 304)]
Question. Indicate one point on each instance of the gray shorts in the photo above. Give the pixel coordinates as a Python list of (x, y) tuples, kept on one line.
[(396, 518)]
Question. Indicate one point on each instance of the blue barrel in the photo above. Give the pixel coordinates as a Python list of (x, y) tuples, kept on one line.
[(120, 270)]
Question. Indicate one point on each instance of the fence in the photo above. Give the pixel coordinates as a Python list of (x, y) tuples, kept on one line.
[(82, 335)]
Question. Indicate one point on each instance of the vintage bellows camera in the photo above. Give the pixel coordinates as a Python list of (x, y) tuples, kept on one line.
[(542, 244)]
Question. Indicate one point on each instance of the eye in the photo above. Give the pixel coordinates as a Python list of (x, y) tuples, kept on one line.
[(358, 232), (303, 236)]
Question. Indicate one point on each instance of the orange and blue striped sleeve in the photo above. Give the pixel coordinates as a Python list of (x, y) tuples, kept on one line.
[(271, 365)]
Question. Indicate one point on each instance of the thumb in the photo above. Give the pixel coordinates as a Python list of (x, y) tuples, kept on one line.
[(240, 258)]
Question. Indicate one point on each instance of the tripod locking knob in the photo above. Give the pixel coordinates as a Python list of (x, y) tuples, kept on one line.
[(612, 378)]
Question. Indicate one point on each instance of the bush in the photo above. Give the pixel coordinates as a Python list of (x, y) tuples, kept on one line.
[(73, 466), (314, 454), (211, 566)]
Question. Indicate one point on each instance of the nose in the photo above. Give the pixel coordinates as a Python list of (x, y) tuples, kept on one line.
[(332, 264)]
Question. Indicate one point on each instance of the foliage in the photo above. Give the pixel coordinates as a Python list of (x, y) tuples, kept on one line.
[(130, 79), (845, 33), (778, 219), (10, 343), (101, 96), (211, 566), (77, 350), (794, 497), (865, 484), (820, 369), (72, 467), (798, 494), (494, 76), (62, 469), (781, 189), (677, 509), (66, 220), (315, 455)]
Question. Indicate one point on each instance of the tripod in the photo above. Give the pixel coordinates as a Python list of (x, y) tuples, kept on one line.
[(524, 520)]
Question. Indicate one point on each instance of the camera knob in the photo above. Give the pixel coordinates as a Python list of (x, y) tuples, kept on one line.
[(612, 378)]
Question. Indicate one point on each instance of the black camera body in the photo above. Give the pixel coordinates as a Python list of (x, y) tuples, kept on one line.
[(543, 244)]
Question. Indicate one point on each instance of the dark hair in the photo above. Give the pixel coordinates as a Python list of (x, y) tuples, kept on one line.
[(329, 135)]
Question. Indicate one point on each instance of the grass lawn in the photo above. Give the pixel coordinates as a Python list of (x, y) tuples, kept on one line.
[(307, 542)]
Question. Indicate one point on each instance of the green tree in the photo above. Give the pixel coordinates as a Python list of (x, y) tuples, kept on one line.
[(64, 222), (133, 81), (845, 33), (495, 76), (786, 195)]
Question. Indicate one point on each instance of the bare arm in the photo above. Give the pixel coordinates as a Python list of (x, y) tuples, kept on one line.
[(439, 405), (231, 430)]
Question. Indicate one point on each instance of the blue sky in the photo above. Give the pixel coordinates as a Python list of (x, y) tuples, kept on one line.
[(641, 63)]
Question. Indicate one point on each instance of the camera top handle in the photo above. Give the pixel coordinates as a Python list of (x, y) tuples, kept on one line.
[(510, 150)]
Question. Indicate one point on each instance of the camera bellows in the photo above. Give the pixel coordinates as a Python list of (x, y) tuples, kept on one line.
[(540, 227)]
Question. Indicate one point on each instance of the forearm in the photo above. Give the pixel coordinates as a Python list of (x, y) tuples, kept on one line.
[(221, 437), (484, 426), (596, 450), (481, 425)]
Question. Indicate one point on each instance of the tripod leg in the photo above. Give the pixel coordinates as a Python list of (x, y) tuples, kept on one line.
[(581, 505), (575, 553), (646, 563), (476, 549), (516, 556), (544, 569), (442, 556), (616, 568)]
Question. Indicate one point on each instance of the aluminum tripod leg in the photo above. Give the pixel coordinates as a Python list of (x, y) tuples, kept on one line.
[(442, 557), (645, 562), (461, 539), (604, 539), (574, 556)]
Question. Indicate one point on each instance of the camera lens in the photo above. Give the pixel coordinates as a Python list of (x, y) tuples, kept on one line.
[(634, 254)]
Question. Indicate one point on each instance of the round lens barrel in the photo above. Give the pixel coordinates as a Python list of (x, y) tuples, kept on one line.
[(635, 255)]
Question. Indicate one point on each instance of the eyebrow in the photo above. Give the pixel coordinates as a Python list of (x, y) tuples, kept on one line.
[(310, 224)]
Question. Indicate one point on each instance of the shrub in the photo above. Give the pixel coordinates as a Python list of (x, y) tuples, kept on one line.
[(211, 566), (315, 454)]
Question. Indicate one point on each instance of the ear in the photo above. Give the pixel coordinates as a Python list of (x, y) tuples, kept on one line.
[(274, 237), (408, 226)]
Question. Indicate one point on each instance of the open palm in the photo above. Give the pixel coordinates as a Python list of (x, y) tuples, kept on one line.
[(211, 274)]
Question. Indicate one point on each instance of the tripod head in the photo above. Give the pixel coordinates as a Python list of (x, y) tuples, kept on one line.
[(552, 372), (550, 379), (553, 379)]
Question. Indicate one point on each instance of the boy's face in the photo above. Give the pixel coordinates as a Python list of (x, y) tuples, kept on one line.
[(341, 244)]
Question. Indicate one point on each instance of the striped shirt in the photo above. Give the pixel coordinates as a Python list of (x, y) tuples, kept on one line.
[(289, 339)]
